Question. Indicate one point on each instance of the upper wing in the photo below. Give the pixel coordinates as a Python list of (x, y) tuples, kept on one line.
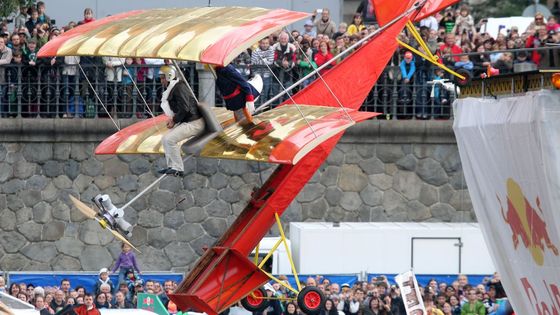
[(214, 35), (282, 135)]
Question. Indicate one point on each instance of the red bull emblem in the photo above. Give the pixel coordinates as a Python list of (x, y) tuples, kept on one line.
[(526, 223)]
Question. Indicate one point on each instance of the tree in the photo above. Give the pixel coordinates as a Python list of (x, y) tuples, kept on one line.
[(9, 7), (499, 8)]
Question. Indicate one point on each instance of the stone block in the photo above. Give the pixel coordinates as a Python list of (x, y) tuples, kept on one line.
[(30, 197), (392, 200), (53, 168), (61, 151), (372, 166), (139, 236), (329, 176), (431, 172), (196, 181), (461, 200), (352, 178), (41, 252), (207, 167), (371, 196), (30, 230), (204, 196), (23, 215), (3, 152), (218, 208), (153, 259), (214, 226), (65, 263), (231, 168), (82, 182), (162, 200), (185, 200), (13, 186), (172, 184), (311, 192), (218, 181), (115, 167), (71, 169), (205, 241), (150, 218), (36, 182), (8, 220), (189, 232), (333, 196), (417, 211), (350, 201), (23, 169), (381, 181), (62, 182), (408, 163), (180, 254), (80, 152), (335, 214), (408, 184), (195, 215), (53, 231), (91, 233), (389, 153), (38, 152), (103, 182), (314, 210), (95, 257), (174, 219), (13, 262), (69, 246), (140, 166), (42, 212), (161, 237), (336, 157), (6, 172), (428, 195), (91, 167), (443, 211), (229, 195)]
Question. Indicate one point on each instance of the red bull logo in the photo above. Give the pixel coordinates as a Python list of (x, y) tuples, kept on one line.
[(526, 223)]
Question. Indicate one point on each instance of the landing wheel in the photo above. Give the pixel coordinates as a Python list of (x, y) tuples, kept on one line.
[(310, 300), (465, 81), (255, 301)]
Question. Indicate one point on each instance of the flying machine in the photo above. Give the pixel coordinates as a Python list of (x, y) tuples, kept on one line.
[(298, 135)]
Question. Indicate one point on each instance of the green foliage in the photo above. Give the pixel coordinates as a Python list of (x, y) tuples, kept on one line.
[(499, 8), (11, 7)]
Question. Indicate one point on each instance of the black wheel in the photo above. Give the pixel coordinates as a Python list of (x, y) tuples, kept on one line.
[(310, 300), (466, 74), (256, 301)]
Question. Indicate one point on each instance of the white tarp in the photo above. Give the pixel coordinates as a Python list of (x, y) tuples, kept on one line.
[(502, 25), (510, 152), (410, 292)]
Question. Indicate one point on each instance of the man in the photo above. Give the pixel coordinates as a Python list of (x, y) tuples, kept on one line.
[(88, 308), (261, 60), (325, 25), (167, 289), (58, 302), (41, 306), (238, 94), (65, 287), (121, 302), (284, 60), (308, 29), (184, 119), (449, 48)]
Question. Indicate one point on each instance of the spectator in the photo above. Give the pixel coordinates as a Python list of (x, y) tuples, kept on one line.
[(43, 18), (2, 284), (14, 287), (367, 10), (121, 302), (357, 25), (308, 29), (408, 68), (430, 22), (505, 63), (103, 279), (284, 59), (262, 60), (539, 21), (126, 262), (88, 16), (40, 306), (323, 56), (448, 21), (33, 21), (464, 63), (449, 48), (101, 301), (65, 287), (430, 307), (305, 62), (325, 25), (464, 23), (88, 308), (329, 308), (473, 305), (58, 301), (21, 18), (342, 27)]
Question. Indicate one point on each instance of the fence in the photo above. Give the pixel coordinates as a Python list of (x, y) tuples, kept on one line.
[(54, 91)]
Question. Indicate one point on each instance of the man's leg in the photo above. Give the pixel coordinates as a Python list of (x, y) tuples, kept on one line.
[(183, 131)]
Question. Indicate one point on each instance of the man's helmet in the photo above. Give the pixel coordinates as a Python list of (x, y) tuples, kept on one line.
[(169, 72)]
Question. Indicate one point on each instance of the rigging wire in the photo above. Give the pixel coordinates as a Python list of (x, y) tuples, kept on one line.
[(98, 98), (138, 90)]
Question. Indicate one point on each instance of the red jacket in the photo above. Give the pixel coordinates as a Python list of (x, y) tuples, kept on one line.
[(321, 59), (454, 50), (82, 310)]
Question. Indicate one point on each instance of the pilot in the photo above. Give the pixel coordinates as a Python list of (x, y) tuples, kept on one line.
[(238, 94), (184, 119), (116, 214)]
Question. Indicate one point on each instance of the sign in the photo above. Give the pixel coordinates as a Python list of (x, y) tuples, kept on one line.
[(410, 293), (152, 303)]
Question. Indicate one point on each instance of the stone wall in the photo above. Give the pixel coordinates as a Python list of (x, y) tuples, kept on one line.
[(381, 171)]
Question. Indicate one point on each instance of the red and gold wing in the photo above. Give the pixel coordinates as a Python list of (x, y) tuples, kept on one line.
[(213, 35), (282, 135)]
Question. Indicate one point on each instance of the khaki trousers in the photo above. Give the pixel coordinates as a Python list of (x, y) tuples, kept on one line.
[(178, 134)]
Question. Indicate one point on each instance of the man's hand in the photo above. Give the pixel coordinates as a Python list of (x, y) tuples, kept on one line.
[(170, 123), (285, 63), (53, 61)]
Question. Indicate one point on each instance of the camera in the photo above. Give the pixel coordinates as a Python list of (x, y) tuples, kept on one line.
[(53, 22)]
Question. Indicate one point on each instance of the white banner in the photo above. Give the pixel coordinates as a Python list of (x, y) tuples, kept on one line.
[(410, 293), (510, 153)]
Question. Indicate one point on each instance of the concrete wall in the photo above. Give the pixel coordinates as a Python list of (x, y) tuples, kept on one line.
[(380, 171)]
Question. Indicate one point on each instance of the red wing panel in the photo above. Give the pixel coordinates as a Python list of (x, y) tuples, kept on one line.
[(352, 80), (228, 47), (433, 6), (51, 47), (387, 10)]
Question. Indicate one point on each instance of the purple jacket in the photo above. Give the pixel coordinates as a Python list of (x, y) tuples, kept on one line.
[(126, 260)]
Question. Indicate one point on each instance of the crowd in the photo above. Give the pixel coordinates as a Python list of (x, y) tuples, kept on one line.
[(281, 58), (361, 298)]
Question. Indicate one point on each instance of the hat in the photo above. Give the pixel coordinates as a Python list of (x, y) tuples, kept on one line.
[(269, 287), (308, 23), (103, 270), (551, 32), (408, 55), (5, 33), (345, 285)]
